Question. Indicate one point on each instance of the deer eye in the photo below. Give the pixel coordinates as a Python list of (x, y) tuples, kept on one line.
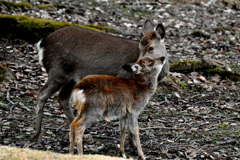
[(150, 49)]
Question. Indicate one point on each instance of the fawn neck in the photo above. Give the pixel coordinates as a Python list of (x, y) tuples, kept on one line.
[(147, 82)]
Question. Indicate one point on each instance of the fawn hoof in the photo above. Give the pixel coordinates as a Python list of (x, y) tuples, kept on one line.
[(124, 155), (141, 157)]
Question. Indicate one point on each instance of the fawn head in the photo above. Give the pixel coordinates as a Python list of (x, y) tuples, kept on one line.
[(146, 67)]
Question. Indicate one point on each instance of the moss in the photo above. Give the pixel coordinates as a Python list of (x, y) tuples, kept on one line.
[(32, 29), (198, 66), (225, 74), (186, 66), (223, 125), (200, 34), (41, 6), (2, 69), (222, 28), (102, 28), (6, 74), (2, 78), (2, 72), (11, 5), (23, 4)]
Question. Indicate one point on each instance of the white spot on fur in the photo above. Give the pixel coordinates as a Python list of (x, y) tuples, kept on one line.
[(136, 68), (40, 54), (162, 41), (161, 66), (78, 96)]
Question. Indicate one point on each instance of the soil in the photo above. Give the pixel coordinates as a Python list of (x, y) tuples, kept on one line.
[(191, 115)]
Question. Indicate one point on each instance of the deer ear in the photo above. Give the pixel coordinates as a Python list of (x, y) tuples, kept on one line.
[(148, 26), (160, 31), (127, 67)]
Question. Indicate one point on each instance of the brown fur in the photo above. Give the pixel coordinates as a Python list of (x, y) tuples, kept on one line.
[(148, 37), (114, 96), (71, 53)]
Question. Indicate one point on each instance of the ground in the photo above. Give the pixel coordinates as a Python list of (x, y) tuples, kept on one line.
[(191, 116)]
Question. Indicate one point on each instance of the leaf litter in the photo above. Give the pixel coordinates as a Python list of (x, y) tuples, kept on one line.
[(191, 116)]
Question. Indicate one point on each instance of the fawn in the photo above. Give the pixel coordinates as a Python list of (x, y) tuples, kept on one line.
[(71, 53), (103, 95)]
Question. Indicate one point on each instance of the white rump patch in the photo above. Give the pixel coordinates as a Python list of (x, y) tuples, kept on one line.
[(136, 68), (40, 54), (78, 96)]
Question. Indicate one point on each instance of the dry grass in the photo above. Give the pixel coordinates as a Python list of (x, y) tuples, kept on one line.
[(12, 153)]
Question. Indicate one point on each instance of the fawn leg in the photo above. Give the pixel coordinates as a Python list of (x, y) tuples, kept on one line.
[(123, 129), (133, 127), (72, 135), (86, 120), (131, 139), (64, 100), (79, 137)]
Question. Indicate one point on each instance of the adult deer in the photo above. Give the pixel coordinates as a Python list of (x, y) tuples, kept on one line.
[(71, 53), (102, 95)]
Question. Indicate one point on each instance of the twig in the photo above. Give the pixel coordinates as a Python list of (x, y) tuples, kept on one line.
[(47, 121), (226, 142), (21, 105), (17, 119), (171, 128), (59, 128), (8, 98), (137, 3), (166, 99), (103, 137)]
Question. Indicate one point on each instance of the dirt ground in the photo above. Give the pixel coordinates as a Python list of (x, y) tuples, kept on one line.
[(191, 116)]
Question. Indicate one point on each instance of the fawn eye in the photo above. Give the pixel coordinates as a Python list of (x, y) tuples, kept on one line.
[(150, 49), (151, 64)]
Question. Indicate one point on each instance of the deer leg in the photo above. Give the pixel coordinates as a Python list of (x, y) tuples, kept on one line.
[(123, 129), (133, 127), (44, 93), (64, 100)]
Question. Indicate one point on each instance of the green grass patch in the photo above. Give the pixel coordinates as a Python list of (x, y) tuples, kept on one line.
[(223, 125)]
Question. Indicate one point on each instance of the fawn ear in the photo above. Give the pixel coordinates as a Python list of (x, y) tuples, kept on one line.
[(136, 69), (127, 67)]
